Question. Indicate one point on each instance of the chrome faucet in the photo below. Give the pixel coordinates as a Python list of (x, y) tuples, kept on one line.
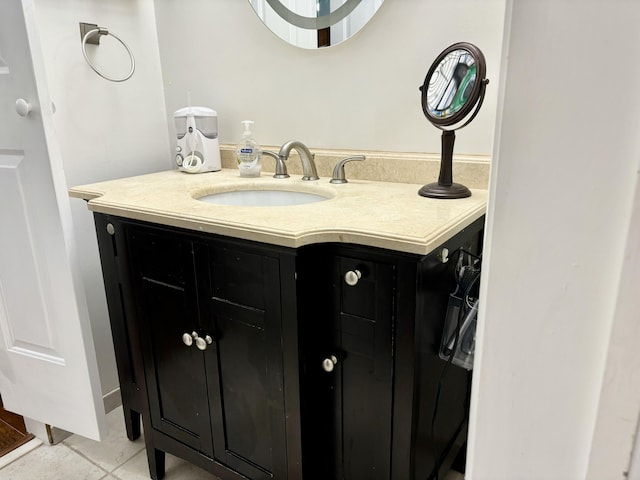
[(309, 171)]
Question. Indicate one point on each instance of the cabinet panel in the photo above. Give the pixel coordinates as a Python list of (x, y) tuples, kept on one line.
[(237, 276), (161, 258), (181, 409), (242, 361), (357, 299), (363, 390), (113, 254), (175, 373), (243, 311), (347, 410), (357, 336)]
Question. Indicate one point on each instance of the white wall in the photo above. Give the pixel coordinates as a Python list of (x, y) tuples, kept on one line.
[(105, 130), (360, 94), (562, 184)]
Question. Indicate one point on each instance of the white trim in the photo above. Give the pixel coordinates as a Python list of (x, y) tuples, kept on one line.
[(19, 452), (484, 280), (617, 415)]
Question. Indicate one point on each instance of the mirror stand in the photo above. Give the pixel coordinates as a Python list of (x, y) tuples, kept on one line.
[(445, 187), (452, 94)]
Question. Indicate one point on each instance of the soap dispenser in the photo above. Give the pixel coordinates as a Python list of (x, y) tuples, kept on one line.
[(248, 153)]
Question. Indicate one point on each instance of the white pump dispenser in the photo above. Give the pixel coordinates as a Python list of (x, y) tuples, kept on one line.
[(248, 153)]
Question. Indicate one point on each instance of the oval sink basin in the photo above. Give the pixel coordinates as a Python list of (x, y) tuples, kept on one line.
[(262, 198)]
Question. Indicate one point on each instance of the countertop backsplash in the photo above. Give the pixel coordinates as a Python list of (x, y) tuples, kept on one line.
[(418, 168)]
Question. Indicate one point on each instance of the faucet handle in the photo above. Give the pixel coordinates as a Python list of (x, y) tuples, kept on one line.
[(338, 171), (281, 168)]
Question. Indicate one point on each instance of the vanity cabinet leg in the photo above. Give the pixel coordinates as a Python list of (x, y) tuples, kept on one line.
[(156, 463), (132, 423)]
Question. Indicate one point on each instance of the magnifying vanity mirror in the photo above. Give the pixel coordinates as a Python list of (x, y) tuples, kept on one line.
[(452, 95), (315, 23)]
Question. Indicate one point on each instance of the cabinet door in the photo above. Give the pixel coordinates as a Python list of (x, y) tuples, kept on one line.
[(166, 303), (363, 379), (347, 380), (243, 312)]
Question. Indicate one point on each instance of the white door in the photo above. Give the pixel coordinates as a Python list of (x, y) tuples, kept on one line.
[(48, 369)]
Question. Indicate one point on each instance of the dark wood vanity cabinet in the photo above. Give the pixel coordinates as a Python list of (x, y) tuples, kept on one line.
[(370, 323), (205, 320), (255, 361)]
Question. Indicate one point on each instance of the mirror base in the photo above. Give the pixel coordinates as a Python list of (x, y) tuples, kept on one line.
[(435, 190)]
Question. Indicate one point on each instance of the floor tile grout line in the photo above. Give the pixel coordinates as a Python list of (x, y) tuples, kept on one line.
[(86, 458), (101, 467), (127, 461)]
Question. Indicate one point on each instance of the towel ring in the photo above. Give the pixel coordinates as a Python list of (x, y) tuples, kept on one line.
[(103, 31)]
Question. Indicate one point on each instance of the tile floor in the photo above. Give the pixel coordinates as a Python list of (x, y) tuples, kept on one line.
[(115, 458)]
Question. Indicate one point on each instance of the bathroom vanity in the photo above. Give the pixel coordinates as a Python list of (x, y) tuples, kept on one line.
[(285, 342)]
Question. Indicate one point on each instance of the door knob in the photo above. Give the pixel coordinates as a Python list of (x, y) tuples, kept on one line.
[(329, 362), (22, 107)]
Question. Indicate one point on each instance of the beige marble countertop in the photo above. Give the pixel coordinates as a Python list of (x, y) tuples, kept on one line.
[(372, 213)]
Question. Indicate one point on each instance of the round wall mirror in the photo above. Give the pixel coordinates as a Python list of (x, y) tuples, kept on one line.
[(452, 94), (315, 23)]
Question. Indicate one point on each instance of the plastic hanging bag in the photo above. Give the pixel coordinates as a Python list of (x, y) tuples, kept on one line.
[(459, 336)]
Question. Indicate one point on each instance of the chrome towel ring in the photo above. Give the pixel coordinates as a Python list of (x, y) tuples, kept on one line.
[(91, 33)]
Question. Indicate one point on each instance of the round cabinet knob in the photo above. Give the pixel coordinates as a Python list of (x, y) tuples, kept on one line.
[(329, 363), (187, 339), (202, 342), (352, 277), (22, 107)]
